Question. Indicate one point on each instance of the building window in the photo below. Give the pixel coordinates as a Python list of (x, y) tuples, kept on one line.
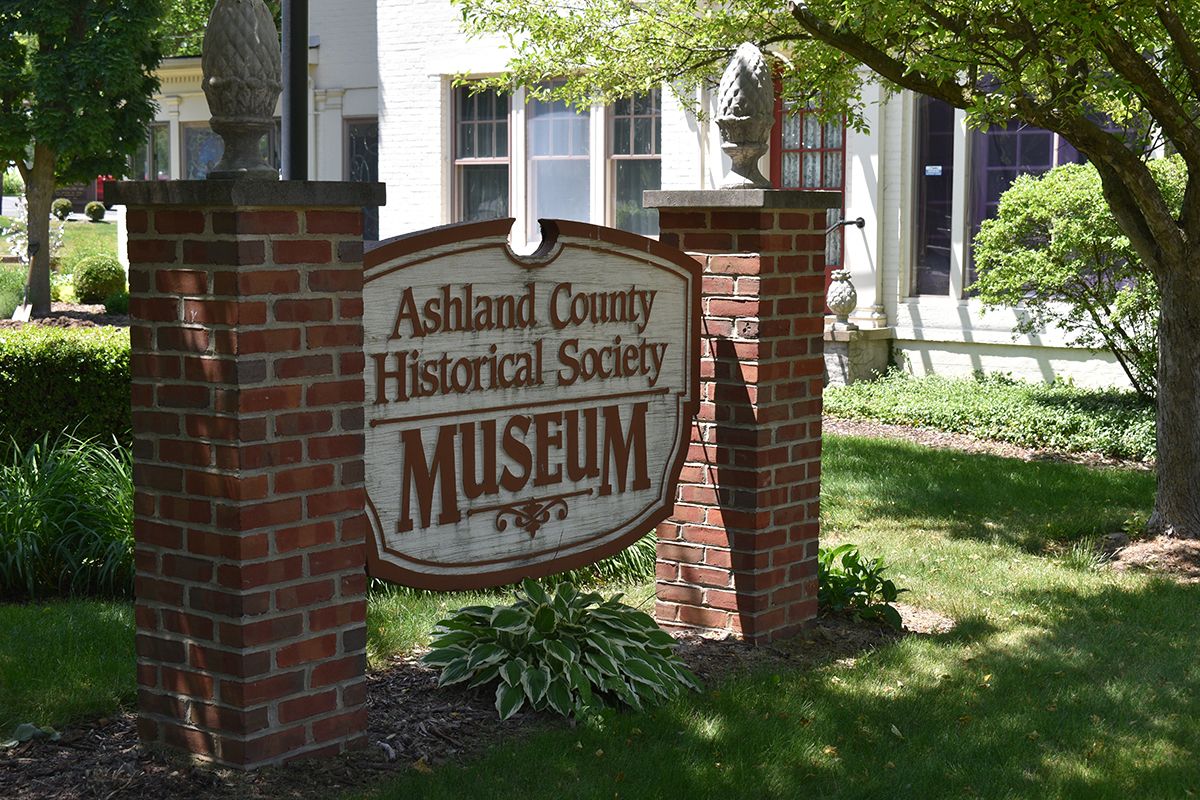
[(152, 162), (998, 156), (558, 139), (636, 137), (362, 165), (203, 148), (809, 154), (481, 154), (933, 211)]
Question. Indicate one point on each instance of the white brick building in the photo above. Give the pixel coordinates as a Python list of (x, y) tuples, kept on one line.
[(921, 180)]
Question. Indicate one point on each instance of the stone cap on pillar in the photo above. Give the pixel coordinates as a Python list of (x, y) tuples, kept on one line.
[(765, 199), (198, 194)]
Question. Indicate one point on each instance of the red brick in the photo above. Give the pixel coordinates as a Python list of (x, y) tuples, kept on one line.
[(304, 366), (251, 693), (269, 341), (137, 221), (306, 594), (318, 310), (337, 671), (331, 447), (335, 280), (349, 724), (185, 452), (346, 223), (193, 684), (185, 568), (303, 423), (206, 427), (185, 510), (273, 282), (303, 479), (256, 222), (242, 665), (314, 251), (333, 560), (154, 309), (224, 254), (312, 535), (188, 340), (308, 706), (337, 616), (272, 398), (180, 281), (265, 515), (324, 505), (304, 652), (319, 336), (152, 251), (257, 634), (337, 393), (192, 626), (230, 546), (154, 648), (252, 576)]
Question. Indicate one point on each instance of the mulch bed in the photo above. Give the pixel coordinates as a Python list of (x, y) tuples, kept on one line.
[(73, 315), (412, 725), (1178, 559), (930, 437)]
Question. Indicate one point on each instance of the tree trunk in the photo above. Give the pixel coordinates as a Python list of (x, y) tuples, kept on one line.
[(1177, 502), (39, 195)]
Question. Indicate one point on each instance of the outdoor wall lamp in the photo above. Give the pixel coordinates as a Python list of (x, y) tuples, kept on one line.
[(857, 222)]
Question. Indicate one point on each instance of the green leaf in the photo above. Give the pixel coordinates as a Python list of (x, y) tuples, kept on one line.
[(509, 700), (486, 654), (891, 616), (639, 670), (535, 682), (510, 619), (544, 620), (510, 673), (485, 677), (442, 656), (603, 662), (453, 637), (456, 671), (581, 683), (559, 696), (535, 592), (560, 651)]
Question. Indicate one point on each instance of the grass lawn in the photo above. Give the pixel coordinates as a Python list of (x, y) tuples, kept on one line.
[(1060, 680), (79, 239)]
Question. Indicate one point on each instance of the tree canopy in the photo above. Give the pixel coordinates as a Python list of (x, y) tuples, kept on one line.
[(183, 25), (1070, 66)]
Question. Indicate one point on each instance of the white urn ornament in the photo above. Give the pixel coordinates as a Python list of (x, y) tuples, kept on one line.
[(745, 114), (842, 298), (242, 81)]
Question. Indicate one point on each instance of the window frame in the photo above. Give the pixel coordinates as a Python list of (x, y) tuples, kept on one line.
[(612, 158), (457, 163)]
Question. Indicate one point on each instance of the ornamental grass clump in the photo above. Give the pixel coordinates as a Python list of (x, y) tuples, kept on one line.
[(66, 520), (570, 652)]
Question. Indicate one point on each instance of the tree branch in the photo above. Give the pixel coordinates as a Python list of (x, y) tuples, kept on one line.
[(1177, 30)]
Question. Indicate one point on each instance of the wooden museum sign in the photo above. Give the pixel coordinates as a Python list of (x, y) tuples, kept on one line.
[(524, 415)]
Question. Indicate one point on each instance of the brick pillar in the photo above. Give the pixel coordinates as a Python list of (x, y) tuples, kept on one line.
[(739, 554), (249, 508)]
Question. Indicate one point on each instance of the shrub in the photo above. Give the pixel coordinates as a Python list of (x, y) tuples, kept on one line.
[(1057, 416), (54, 379), (66, 520), (1055, 251), (117, 303), (61, 208), (98, 277), (12, 290), (14, 185), (17, 234), (62, 288), (94, 211), (847, 581), (572, 653)]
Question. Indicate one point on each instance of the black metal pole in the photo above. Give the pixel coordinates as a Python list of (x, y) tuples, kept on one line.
[(294, 147)]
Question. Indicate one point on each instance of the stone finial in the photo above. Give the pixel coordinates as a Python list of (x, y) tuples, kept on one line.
[(842, 299), (745, 114), (242, 81)]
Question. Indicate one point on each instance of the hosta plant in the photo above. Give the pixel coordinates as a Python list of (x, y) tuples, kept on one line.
[(563, 650)]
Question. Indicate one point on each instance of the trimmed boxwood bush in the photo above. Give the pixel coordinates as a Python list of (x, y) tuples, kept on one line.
[(54, 380), (61, 208), (117, 303), (98, 277), (94, 211)]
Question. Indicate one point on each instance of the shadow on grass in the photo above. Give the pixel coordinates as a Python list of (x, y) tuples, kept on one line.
[(872, 483), (1095, 698)]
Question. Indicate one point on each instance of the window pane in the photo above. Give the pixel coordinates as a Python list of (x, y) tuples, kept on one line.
[(833, 241), (160, 153), (1035, 149), (791, 132), (580, 145), (202, 150), (466, 141), (466, 103), (644, 105), (484, 191), (621, 134), (658, 134), (812, 131), (502, 139), (362, 142), (634, 176), (643, 132), (791, 170), (833, 170), (812, 171), (139, 163), (556, 129), (559, 189), (833, 134)]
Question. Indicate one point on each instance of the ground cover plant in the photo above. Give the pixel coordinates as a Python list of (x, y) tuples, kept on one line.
[(1055, 416)]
